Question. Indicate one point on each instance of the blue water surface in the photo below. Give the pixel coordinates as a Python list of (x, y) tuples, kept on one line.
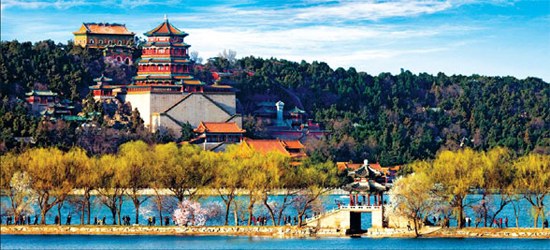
[(243, 242)]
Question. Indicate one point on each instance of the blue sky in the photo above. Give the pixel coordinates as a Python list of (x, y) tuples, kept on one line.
[(487, 37)]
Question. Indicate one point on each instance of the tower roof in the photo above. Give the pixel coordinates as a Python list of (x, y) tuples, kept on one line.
[(165, 29), (103, 78)]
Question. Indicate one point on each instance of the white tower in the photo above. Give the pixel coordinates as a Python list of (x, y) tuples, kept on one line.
[(280, 105)]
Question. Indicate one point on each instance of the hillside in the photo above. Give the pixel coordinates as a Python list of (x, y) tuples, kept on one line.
[(391, 119)]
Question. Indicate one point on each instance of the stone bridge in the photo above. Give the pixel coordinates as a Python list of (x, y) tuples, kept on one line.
[(347, 218)]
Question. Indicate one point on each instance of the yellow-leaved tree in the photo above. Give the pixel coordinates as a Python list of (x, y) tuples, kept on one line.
[(457, 173), (52, 179), (414, 196), (136, 163), (498, 176), (111, 189), (533, 180)]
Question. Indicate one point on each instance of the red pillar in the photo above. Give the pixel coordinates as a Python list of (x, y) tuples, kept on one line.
[(350, 199)]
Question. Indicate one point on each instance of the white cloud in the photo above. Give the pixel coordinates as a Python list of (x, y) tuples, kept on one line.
[(67, 4)]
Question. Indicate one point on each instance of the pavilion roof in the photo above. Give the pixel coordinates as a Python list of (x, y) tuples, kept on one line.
[(41, 93), (165, 29), (219, 127), (103, 78), (297, 110), (103, 28)]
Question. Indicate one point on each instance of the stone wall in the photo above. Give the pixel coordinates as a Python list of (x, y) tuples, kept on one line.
[(168, 110)]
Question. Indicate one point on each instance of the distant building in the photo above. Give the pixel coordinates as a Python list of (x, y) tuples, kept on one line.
[(217, 135), (287, 125), (116, 41), (41, 100), (100, 35), (292, 148), (103, 89), (47, 104)]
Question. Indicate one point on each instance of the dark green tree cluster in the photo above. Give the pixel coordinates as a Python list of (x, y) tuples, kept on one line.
[(67, 70), (395, 119)]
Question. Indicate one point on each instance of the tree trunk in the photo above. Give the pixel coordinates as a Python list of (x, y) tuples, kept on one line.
[(136, 205), (119, 208), (416, 227), (82, 214), (87, 198), (42, 217), (536, 218), (159, 207), (460, 213), (114, 212), (236, 216), (281, 210), (250, 209), (227, 207), (59, 212), (271, 213)]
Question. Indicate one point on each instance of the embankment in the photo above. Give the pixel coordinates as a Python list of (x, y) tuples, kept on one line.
[(278, 231)]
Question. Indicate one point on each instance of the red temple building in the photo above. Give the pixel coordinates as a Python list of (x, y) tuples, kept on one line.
[(116, 41), (103, 89), (216, 136), (164, 63), (165, 92)]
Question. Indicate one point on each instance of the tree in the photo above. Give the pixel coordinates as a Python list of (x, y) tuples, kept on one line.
[(135, 160), (87, 172), (275, 168), (190, 213), (20, 194), (315, 179), (533, 179), (195, 58), (413, 197), (186, 132), (498, 176), (52, 179), (229, 175), (457, 173), (111, 189)]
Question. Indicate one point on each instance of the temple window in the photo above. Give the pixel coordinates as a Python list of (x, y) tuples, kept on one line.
[(119, 42), (127, 60), (92, 41), (100, 41)]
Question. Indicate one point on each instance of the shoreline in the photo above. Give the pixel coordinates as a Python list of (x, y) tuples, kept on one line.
[(273, 231)]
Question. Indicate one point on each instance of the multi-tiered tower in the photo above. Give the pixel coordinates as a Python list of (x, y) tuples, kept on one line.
[(164, 63), (164, 91)]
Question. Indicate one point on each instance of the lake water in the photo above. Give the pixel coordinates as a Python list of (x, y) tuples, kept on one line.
[(242, 242), (328, 202)]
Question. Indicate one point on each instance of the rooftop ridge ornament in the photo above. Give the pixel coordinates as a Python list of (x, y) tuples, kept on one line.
[(165, 18)]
